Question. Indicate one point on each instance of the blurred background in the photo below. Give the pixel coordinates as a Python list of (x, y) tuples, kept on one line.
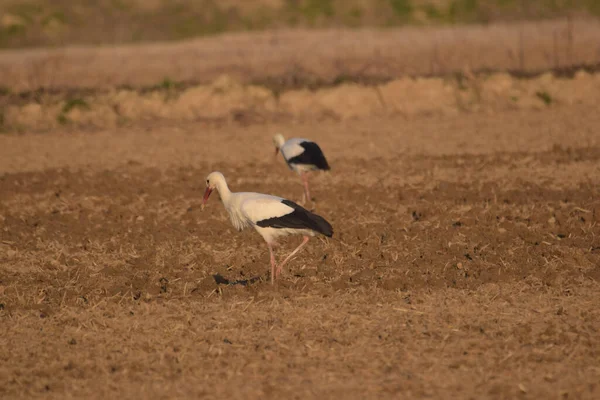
[(163, 59), (64, 22)]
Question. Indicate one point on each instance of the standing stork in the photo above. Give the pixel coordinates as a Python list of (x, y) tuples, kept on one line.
[(301, 156), (271, 216)]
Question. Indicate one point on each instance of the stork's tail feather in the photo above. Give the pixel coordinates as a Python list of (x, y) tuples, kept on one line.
[(312, 155), (319, 159), (311, 220), (324, 165), (300, 218), (320, 224)]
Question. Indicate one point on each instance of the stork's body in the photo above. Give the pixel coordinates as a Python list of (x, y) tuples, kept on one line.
[(301, 156), (271, 216)]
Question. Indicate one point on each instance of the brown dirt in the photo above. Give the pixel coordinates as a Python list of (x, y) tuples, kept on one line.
[(465, 261), (284, 57)]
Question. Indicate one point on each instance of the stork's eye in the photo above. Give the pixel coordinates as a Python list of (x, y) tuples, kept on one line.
[(207, 182)]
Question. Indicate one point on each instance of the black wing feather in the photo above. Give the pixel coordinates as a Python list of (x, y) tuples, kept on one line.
[(300, 218), (312, 155)]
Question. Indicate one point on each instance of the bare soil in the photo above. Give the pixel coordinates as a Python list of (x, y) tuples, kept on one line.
[(301, 57), (465, 261)]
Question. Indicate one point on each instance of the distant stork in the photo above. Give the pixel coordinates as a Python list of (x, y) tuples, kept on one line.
[(301, 156), (271, 216)]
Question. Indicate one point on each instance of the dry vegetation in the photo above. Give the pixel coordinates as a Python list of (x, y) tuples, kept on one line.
[(227, 100), (58, 22), (465, 261)]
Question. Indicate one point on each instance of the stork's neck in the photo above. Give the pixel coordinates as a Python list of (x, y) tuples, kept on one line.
[(224, 192)]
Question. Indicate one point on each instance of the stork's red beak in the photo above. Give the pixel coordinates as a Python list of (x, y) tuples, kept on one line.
[(207, 193)]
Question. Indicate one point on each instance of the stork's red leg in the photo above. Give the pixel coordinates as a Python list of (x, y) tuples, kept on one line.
[(280, 266), (306, 196), (273, 264)]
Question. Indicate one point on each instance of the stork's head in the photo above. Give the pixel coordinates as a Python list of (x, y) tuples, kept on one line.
[(213, 180), (278, 141)]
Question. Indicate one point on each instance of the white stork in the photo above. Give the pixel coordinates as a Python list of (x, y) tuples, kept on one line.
[(271, 216), (301, 156)]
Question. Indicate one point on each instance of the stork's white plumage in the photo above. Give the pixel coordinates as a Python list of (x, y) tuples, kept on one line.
[(301, 156), (271, 216)]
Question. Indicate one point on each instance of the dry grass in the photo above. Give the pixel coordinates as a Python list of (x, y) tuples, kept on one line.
[(58, 23), (226, 100), (464, 262), (328, 345)]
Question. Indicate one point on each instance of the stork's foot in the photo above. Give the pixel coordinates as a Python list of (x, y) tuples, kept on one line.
[(276, 269)]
